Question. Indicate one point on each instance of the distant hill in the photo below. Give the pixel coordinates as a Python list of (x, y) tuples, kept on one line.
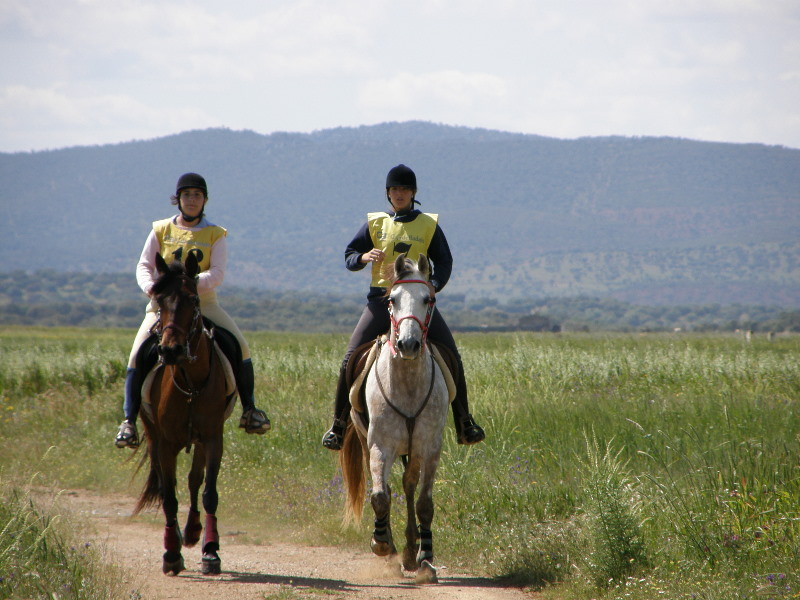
[(645, 220)]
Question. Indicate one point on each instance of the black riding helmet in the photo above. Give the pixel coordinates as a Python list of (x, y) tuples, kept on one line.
[(402, 176), (189, 180)]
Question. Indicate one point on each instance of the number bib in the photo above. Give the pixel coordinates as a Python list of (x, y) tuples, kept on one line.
[(177, 243)]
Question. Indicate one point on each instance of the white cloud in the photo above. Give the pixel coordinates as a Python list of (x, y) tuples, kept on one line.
[(111, 70), (445, 89)]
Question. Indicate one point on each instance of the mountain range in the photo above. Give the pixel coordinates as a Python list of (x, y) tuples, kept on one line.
[(646, 220)]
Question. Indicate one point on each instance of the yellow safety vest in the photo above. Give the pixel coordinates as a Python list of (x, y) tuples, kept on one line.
[(394, 238), (178, 243)]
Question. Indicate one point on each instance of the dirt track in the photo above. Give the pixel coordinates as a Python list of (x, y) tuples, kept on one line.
[(255, 572)]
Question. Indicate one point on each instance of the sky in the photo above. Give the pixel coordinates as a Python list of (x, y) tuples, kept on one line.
[(94, 72)]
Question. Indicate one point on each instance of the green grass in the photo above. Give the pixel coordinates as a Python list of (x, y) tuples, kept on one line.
[(42, 557), (615, 466)]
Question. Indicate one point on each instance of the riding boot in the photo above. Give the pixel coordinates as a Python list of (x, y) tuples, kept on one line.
[(334, 437), (467, 430), (127, 436), (253, 419)]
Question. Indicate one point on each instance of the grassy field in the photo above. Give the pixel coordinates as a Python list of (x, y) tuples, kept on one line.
[(615, 466)]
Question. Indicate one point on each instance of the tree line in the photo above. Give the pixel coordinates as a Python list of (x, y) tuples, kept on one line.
[(50, 298)]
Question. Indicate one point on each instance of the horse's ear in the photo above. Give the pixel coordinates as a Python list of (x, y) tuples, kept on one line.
[(161, 264), (192, 268), (399, 264), (424, 266)]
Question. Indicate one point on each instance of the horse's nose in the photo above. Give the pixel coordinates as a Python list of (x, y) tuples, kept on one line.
[(408, 347), (171, 354)]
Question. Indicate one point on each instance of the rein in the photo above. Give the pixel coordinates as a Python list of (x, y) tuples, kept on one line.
[(411, 421)]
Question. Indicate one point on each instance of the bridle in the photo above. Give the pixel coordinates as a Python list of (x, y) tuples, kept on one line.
[(423, 325), (196, 327), (410, 420)]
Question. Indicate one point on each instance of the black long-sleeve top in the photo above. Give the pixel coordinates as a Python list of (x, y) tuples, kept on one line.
[(438, 253)]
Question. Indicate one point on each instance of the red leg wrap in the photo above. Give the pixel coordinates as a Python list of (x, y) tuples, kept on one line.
[(172, 538), (210, 534)]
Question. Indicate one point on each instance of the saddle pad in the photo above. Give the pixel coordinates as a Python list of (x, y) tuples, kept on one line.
[(360, 371), (445, 368), (230, 385)]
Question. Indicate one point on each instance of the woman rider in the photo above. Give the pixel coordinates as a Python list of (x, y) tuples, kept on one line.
[(384, 236), (188, 232)]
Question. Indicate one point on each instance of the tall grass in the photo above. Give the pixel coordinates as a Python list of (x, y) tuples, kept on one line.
[(41, 557), (656, 466)]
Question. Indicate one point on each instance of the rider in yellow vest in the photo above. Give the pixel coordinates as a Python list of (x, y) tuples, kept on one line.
[(188, 232), (385, 236)]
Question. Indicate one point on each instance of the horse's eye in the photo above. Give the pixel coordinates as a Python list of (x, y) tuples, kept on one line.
[(430, 300)]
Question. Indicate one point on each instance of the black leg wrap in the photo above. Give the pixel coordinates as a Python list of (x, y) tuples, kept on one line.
[(425, 545)]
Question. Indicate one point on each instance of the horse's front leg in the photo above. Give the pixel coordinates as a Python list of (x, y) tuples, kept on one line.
[(211, 563), (172, 560), (426, 573), (380, 465), (193, 528), (410, 480)]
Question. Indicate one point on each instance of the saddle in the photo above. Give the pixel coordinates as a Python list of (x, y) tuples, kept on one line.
[(365, 355), (225, 345)]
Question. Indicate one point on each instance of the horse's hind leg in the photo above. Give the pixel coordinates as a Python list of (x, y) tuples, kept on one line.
[(193, 528), (211, 563)]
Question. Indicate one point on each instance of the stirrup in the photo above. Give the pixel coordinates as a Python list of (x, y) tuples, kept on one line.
[(255, 420), (471, 432), (334, 437), (127, 436)]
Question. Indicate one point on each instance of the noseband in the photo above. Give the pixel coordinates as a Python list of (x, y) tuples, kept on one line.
[(423, 325)]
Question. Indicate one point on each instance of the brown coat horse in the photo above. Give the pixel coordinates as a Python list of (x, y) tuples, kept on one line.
[(187, 407)]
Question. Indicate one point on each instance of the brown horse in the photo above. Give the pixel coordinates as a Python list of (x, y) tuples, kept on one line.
[(187, 407)]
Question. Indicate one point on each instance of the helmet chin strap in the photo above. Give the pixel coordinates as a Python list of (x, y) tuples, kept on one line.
[(188, 218)]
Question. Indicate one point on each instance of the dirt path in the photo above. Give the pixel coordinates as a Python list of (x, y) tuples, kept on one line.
[(256, 572)]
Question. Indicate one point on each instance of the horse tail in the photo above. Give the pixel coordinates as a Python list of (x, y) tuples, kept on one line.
[(151, 493), (351, 460)]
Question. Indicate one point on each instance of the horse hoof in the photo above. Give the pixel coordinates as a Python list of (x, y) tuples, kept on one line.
[(426, 573), (211, 565), (410, 562), (380, 548), (173, 566), (192, 530), (191, 534), (391, 569)]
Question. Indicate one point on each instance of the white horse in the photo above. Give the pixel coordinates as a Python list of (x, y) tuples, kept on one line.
[(407, 403)]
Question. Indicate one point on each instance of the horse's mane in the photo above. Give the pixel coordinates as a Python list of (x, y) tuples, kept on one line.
[(176, 272), (388, 272)]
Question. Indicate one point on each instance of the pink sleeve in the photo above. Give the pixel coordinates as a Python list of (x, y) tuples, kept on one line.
[(146, 268), (208, 280)]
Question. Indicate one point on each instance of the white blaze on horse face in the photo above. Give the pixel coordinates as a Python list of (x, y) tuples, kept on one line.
[(409, 310)]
